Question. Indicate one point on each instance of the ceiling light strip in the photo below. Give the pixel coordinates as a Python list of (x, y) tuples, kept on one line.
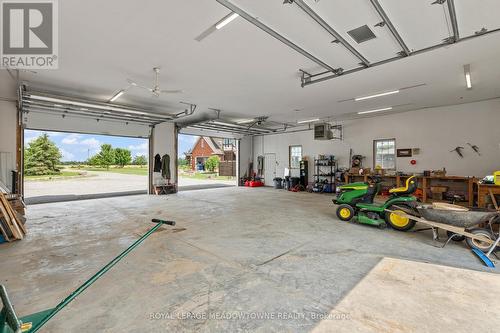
[(226, 130), (226, 20), (307, 121), (357, 99), (376, 110), (380, 10), (273, 33), (468, 80), (117, 95), (308, 10)]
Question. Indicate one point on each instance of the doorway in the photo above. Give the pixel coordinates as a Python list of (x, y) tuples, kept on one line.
[(63, 166), (206, 162), (269, 168)]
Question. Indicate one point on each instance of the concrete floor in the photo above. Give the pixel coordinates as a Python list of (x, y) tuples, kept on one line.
[(245, 252)]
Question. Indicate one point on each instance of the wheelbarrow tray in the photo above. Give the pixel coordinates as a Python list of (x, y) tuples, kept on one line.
[(464, 219)]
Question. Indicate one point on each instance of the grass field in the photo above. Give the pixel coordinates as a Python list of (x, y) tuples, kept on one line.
[(132, 170), (63, 175)]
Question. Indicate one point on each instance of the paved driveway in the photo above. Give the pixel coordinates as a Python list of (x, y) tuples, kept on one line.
[(97, 182), (104, 182)]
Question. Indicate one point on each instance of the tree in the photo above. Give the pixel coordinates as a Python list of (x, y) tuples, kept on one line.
[(106, 156), (122, 157), (140, 160), (212, 163), (94, 161), (41, 157)]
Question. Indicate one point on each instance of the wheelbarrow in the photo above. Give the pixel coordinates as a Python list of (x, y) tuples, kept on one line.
[(460, 225), (11, 323)]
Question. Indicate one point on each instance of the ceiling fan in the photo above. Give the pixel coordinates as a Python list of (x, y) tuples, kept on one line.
[(155, 90)]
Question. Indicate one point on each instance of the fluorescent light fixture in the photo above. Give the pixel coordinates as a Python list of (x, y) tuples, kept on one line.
[(376, 110), (244, 121), (226, 20), (377, 95), (307, 121), (468, 81), (118, 94)]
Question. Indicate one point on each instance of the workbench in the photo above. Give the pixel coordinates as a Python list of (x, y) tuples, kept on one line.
[(424, 183), (483, 190)]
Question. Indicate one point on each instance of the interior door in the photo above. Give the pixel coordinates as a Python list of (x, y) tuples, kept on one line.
[(269, 168)]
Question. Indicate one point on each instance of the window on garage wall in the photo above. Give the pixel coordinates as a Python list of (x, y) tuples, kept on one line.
[(295, 155), (384, 153)]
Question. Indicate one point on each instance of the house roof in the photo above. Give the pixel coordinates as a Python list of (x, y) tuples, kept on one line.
[(216, 148)]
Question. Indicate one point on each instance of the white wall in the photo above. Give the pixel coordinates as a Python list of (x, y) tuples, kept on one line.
[(164, 139), (435, 131), (8, 122), (245, 155)]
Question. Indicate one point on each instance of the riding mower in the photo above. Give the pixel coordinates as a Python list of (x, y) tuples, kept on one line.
[(355, 200)]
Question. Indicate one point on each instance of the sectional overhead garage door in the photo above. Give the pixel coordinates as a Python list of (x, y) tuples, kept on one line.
[(44, 111)]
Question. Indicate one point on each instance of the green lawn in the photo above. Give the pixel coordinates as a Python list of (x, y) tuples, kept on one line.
[(63, 175), (126, 170)]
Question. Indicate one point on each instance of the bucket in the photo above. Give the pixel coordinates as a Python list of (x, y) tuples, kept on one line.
[(278, 183)]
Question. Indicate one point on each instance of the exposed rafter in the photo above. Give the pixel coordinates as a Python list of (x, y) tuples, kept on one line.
[(308, 10), (380, 10), (324, 76), (454, 22), (273, 33)]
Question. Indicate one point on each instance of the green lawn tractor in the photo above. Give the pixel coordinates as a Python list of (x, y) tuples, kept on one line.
[(355, 200)]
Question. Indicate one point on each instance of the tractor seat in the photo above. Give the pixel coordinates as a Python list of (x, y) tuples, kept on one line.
[(409, 188)]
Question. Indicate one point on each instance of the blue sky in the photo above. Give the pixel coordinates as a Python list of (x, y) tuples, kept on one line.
[(186, 142), (77, 147)]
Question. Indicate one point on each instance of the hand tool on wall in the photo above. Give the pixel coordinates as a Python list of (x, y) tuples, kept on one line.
[(475, 148), (458, 150)]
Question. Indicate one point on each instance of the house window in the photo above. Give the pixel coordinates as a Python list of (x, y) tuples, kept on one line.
[(384, 154), (295, 155)]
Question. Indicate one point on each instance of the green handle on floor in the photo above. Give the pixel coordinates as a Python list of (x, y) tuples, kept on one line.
[(39, 319)]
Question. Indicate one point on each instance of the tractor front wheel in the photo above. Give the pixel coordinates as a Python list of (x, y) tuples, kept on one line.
[(345, 212)]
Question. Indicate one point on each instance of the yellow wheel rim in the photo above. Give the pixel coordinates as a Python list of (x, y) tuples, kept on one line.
[(398, 220), (345, 213)]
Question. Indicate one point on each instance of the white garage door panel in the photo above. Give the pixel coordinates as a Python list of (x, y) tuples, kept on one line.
[(52, 122)]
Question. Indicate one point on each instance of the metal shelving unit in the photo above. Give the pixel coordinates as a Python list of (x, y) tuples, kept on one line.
[(325, 169)]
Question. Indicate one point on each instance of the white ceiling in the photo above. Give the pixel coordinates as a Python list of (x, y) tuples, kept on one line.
[(245, 72)]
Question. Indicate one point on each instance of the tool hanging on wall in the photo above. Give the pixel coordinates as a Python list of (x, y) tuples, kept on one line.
[(458, 150), (475, 148)]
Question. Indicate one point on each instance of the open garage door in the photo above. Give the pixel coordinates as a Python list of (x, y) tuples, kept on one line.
[(57, 113), (78, 121)]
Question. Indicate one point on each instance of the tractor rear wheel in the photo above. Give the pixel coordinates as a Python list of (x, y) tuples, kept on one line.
[(398, 222)]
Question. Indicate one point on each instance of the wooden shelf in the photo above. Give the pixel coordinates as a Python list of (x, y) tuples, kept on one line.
[(425, 183)]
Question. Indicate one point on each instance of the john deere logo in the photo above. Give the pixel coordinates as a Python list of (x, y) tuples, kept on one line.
[(29, 34)]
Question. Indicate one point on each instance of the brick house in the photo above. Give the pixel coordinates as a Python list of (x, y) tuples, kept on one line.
[(206, 146)]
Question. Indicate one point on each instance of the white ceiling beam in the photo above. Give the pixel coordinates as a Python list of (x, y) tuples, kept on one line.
[(380, 10), (273, 33)]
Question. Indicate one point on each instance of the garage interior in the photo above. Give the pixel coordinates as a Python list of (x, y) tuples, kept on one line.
[(367, 165)]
